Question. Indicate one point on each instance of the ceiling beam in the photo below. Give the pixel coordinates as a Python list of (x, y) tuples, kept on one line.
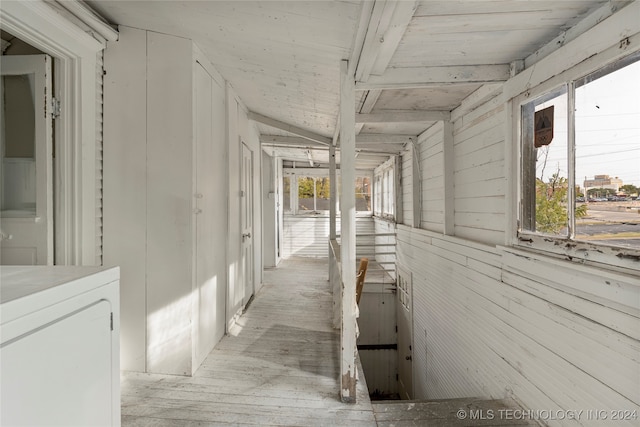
[(288, 128), (368, 138), (380, 138), (370, 100), (386, 27), (395, 116), (379, 148), (422, 77), (289, 140)]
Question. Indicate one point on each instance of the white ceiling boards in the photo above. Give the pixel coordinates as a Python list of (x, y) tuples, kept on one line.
[(283, 57)]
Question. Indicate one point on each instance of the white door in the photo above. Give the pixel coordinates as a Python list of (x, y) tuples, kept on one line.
[(246, 221), (405, 334), (210, 227), (26, 190)]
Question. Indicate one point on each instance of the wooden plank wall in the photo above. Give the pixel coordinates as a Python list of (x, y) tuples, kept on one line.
[(308, 236), (173, 266), (407, 186), (432, 164), (479, 179), (385, 255), (496, 323)]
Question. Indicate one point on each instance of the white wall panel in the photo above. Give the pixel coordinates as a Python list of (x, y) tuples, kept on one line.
[(165, 203), (430, 145), (169, 204), (479, 179), (493, 324), (125, 187), (309, 236), (407, 187)]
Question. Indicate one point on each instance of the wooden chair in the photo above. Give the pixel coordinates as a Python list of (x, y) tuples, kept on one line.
[(362, 272)]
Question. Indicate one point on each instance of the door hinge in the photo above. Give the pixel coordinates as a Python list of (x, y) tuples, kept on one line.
[(112, 320), (55, 108)]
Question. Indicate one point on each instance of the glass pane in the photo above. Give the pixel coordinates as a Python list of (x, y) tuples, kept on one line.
[(608, 156), (306, 186), (363, 194), (378, 195), (323, 187), (286, 194), (18, 196), (545, 164)]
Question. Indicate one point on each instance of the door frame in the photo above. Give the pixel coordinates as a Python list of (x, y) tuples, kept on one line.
[(37, 230), (75, 60), (405, 274), (250, 200)]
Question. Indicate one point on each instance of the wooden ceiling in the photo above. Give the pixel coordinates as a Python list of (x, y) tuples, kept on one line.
[(413, 61)]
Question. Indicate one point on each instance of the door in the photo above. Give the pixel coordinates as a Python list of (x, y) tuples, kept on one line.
[(26, 190), (246, 221), (405, 334), (210, 212)]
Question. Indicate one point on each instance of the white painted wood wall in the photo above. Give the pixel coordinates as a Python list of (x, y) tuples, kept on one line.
[(239, 130), (167, 176), (495, 322), (307, 236)]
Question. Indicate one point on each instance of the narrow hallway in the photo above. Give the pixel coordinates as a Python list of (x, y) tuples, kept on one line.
[(278, 366)]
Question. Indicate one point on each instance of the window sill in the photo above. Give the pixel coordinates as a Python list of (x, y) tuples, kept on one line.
[(581, 253)]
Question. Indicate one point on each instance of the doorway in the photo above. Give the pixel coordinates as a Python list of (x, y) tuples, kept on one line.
[(404, 319), (246, 222), (26, 160)]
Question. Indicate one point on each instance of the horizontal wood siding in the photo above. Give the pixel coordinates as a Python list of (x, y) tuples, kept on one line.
[(432, 167), (491, 323), (385, 252), (479, 178), (309, 236)]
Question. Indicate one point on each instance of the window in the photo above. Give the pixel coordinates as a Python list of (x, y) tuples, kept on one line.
[(384, 190), (286, 194), (308, 192), (363, 194), (581, 159)]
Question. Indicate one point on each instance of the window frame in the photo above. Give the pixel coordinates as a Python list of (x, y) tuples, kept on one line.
[(384, 190), (568, 247), (295, 173)]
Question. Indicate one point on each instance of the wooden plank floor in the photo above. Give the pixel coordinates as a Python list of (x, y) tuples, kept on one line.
[(278, 367)]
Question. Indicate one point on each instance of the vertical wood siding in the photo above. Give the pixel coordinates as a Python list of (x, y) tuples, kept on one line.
[(432, 165), (479, 180)]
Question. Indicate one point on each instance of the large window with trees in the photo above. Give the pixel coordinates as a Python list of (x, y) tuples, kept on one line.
[(580, 159), (309, 193)]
